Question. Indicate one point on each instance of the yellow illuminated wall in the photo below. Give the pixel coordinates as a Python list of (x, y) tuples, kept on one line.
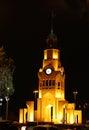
[(78, 116), (22, 115), (30, 110)]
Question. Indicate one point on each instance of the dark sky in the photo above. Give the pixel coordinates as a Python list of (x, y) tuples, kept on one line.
[(24, 26)]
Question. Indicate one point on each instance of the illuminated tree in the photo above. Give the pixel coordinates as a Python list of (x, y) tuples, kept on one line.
[(6, 76)]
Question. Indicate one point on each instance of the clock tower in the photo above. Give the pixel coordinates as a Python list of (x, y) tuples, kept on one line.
[(51, 81), (51, 75)]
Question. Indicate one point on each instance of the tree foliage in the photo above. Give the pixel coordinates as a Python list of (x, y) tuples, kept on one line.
[(7, 67)]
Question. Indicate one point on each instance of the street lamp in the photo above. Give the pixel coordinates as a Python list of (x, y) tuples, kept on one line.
[(7, 99), (75, 93), (1, 100), (35, 93)]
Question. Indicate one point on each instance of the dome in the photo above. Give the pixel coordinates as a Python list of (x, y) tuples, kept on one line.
[(51, 40)]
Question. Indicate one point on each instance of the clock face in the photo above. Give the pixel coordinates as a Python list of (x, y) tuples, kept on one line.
[(48, 71)]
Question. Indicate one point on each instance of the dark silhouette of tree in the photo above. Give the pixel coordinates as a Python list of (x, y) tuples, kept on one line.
[(7, 67)]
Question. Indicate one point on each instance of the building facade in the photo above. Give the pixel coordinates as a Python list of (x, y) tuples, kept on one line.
[(52, 105)]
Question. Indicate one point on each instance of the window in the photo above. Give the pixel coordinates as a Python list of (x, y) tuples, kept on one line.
[(58, 83), (46, 82)]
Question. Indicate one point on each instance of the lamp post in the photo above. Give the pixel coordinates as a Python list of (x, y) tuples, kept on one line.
[(1, 100), (7, 99), (35, 93), (75, 93)]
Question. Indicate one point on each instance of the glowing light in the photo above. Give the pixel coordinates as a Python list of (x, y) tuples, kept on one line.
[(49, 106), (21, 115), (71, 119), (58, 95), (45, 57), (31, 116), (55, 56), (23, 128), (60, 117), (40, 96)]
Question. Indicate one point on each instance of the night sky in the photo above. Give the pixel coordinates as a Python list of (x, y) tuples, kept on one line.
[(24, 26)]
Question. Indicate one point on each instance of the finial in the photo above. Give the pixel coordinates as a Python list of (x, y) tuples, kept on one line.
[(51, 39)]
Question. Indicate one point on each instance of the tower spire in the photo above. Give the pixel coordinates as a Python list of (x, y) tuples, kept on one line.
[(51, 38), (52, 17)]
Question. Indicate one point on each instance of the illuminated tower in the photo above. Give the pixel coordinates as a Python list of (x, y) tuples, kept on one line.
[(51, 75), (51, 81), (51, 103)]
